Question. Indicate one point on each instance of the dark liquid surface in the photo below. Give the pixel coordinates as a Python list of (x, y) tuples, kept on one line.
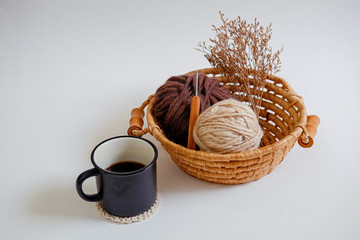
[(125, 166)]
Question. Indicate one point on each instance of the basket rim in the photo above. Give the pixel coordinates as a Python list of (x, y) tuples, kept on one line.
[(246, 155)]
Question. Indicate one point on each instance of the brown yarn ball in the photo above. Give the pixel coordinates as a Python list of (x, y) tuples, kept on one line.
[(172, 103)]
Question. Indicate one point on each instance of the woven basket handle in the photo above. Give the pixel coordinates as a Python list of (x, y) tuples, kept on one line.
[(312, 124), (136, 121)]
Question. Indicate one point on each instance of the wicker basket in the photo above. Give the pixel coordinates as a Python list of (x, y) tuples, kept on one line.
[(283, 118)]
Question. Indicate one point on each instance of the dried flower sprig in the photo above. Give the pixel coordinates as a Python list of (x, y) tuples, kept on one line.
[(241, 52)]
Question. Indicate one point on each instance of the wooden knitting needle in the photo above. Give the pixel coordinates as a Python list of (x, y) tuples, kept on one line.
[(194, 113)]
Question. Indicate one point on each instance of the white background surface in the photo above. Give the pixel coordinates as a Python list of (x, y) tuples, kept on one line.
[(71, 71)]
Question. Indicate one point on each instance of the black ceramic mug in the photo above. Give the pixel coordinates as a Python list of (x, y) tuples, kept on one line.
[(125, 171)]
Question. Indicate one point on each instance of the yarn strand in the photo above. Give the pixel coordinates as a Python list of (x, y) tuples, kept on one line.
[(173, 100), (229, 126)]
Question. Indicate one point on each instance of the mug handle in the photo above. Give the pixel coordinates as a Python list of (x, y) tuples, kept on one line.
[(79, 182)]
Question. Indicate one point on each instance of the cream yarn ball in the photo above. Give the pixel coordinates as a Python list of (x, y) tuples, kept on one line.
[(229, 126)]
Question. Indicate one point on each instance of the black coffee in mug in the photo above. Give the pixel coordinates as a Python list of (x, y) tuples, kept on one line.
[(125, 171), (125, 166)]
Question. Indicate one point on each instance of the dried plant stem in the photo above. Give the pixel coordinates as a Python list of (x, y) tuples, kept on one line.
[(241, 52)]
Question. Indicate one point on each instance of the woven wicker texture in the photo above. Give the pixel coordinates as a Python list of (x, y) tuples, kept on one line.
[(282, 117)]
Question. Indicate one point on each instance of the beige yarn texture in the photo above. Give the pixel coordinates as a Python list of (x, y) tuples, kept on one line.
[(229, 126), (128, 220)]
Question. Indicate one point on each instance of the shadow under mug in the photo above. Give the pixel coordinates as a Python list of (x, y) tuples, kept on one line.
[(123, 194)]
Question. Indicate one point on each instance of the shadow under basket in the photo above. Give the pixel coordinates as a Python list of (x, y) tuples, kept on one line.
[(282, 116)]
